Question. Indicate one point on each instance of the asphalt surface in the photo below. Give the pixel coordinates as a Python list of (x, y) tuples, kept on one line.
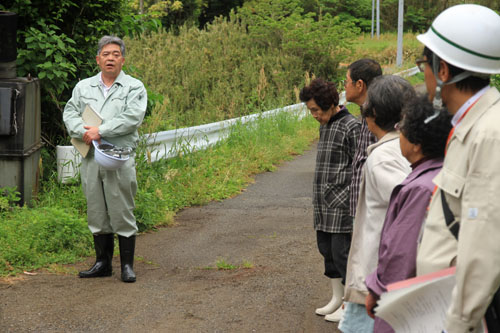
[(268, 227)]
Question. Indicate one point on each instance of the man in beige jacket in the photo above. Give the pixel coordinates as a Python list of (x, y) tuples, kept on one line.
[(461, 51)]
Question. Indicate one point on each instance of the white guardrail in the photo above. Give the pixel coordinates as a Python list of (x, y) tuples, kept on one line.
[(166, 144)]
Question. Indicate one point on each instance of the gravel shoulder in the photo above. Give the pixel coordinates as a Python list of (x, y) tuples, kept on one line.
[(269, 225)]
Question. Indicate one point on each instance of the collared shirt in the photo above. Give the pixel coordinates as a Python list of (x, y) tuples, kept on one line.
[(104, 87), (466, 105), (366, 139), (337, 144)]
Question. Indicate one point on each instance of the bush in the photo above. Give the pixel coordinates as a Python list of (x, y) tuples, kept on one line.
[(57, 42), (282, 24), (495, 81), (255, 60), (210, 75), (32, 238)]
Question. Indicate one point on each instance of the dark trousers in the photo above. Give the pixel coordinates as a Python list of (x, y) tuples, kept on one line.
[(334, 248)]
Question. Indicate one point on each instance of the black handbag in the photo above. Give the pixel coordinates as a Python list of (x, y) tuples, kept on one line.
[(492, 315)]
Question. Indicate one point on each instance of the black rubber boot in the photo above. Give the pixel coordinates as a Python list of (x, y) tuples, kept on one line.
[(127, 249), (103, 245)]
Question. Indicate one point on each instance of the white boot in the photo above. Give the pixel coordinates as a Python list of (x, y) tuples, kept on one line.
[(336, 316), (336, 301)]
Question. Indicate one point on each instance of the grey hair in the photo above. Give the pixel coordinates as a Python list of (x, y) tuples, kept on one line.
[(387, 95), (106, 40)]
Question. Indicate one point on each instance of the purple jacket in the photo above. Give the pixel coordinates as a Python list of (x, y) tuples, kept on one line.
[(403, 221)]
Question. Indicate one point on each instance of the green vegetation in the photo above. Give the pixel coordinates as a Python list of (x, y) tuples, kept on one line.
[(495, 80), (222, 264), (384, 50), (56, 41), (254, 59), (55, 229), (224, 71), (247, 264), (33, 238)]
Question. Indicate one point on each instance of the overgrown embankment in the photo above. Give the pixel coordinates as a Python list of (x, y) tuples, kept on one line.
[(249, 63)]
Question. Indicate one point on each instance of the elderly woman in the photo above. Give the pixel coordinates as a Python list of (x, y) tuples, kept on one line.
[(385, 167), (423, 146), (338, 136)]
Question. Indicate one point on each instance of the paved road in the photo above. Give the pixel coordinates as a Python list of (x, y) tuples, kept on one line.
[(269, 225)]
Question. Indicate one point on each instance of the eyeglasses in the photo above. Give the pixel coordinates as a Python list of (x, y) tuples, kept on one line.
[(421, 64)]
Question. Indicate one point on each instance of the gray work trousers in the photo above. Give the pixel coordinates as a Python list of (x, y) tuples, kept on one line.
[(110, 197)]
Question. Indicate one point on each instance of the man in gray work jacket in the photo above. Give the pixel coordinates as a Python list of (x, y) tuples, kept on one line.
[(121, 100)]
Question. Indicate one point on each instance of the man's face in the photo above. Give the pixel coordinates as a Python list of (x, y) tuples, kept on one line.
[(353, 90), (321, 116), (110, 60), (430, 80)]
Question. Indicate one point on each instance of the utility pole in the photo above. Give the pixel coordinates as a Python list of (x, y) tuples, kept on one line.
[(399, 54), (373, 15), (378, 19), (141, 6)]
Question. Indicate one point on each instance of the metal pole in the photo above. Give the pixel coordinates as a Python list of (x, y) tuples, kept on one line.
[(373, 15), (378, 19), (399, 54)]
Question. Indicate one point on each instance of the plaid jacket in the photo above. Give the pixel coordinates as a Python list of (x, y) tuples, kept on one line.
[(336, 147), (366, 138)]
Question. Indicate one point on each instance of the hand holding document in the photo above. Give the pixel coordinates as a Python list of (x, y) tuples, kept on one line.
[(90, 118), (418, 304)]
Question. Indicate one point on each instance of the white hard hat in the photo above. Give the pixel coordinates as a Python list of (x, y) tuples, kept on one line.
[(466, 36), (108, 162)]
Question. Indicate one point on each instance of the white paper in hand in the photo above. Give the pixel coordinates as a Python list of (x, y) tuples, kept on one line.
[(418, 304)]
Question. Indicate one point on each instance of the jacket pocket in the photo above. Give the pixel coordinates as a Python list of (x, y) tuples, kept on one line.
[(453, 187), (450, 182), (116, 105), (90, 100), (336, 196)]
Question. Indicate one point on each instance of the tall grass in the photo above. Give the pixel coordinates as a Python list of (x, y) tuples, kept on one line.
[(203, 76), (213, 74), (55, 229), (384, 50)]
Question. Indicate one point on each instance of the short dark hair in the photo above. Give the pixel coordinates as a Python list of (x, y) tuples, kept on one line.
[(431, 136), (471, 83), (386, 97), (324, 93), (106, 40), (365, 70)]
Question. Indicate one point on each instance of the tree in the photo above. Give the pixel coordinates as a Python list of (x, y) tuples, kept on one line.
[(172, 13), (282, 24), (216, 8), (57, 42)]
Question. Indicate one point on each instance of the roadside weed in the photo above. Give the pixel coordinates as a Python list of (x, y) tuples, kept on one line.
[(221, 264), (247, 264)]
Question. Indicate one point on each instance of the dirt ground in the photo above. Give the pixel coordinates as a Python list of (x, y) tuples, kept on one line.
[(268, 226)]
